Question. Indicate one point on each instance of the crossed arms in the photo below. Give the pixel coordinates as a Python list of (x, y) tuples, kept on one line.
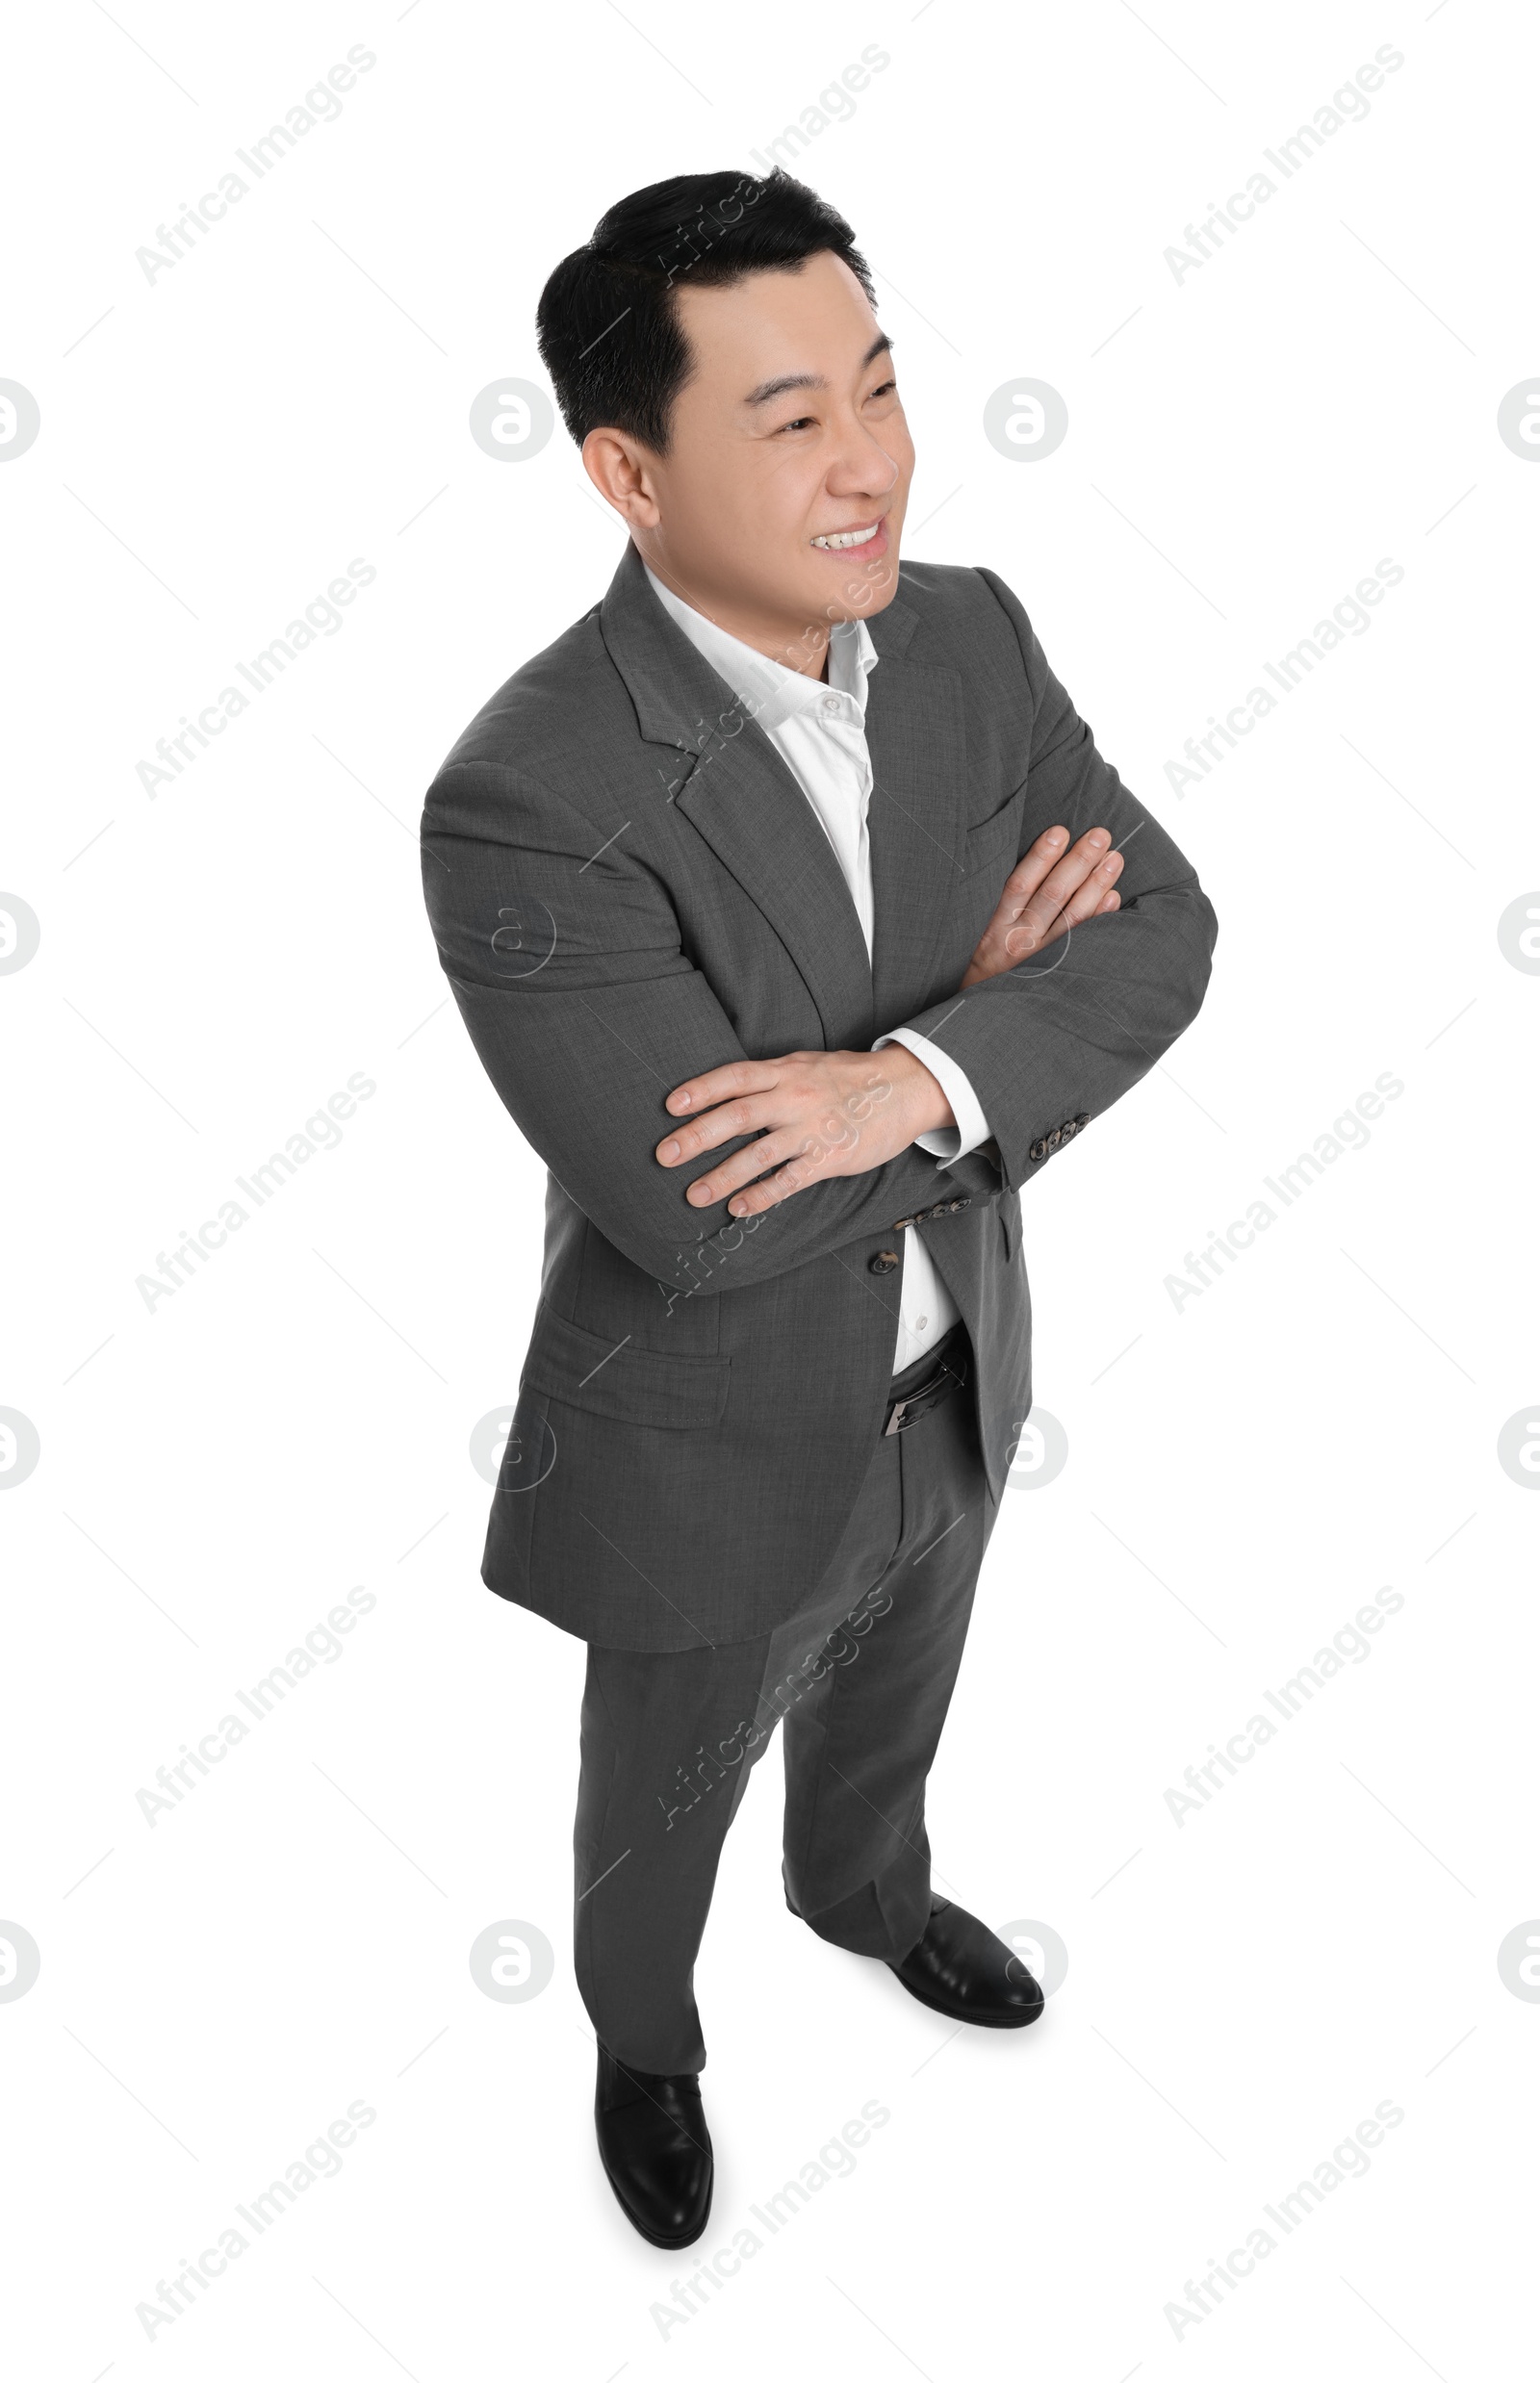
[(596, 1030), (820, 1114)]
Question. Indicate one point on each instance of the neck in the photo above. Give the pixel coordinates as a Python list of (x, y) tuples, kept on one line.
[(799, 645)]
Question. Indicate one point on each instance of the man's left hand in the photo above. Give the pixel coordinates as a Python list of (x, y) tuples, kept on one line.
[(842, 1112), (816, 1112)]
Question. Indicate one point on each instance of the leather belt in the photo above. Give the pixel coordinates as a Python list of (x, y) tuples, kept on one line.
[(949, 1372)]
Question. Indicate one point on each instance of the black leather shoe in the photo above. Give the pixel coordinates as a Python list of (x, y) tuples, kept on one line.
[(657, 2152), (963, 1968)]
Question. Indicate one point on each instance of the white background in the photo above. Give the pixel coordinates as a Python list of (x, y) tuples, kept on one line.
[(1245, 1471)]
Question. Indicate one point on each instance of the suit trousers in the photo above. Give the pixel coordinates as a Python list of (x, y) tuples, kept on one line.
[(859, 1678)]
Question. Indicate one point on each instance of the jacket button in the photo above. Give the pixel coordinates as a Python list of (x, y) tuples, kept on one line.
[(884, 1262), (1083, 1118), (1038, 1150)]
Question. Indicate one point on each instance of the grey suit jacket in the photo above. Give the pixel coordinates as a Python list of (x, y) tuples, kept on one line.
[(627, 886)]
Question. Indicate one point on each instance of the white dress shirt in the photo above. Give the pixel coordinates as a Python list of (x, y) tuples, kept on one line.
[(819, 729)]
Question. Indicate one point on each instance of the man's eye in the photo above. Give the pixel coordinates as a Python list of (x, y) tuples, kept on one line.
[(886, 389), (804, 422)]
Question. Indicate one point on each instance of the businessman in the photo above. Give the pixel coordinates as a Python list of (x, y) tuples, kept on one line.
[(799, 924)]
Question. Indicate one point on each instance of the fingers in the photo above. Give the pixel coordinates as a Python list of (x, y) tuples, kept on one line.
[(1086, 870), (991, 956), (744, 1116), (1033, 867), (739, 1075), (797, 1157), (1081, 901), (772, 1191), (1036, 905), (738, 1092), (1090, 899)]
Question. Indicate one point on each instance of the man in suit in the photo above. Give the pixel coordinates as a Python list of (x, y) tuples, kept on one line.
[(799, 923)]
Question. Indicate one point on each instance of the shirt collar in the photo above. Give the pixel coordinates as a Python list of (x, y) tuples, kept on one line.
[(770, 691)]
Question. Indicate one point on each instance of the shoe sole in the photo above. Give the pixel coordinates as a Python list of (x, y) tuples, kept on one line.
[(971, 2018), (662, 2241)]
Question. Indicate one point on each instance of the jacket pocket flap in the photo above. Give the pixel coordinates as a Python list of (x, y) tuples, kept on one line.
[(617, 1379), (994, 837)]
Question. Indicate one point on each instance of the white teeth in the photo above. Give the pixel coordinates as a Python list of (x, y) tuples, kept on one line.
[(849, 537)]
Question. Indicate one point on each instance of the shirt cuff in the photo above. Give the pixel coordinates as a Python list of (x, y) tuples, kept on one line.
[(946, 1143)]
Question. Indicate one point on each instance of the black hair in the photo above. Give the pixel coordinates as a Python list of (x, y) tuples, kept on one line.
[(606, 324)]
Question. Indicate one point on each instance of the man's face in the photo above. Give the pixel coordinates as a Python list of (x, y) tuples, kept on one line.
[(787, 433)]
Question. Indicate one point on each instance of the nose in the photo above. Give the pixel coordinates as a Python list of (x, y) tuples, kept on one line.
[(862, 467)]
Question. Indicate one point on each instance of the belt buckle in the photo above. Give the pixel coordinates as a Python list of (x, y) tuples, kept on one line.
[(924, 1395), (921, 1398)]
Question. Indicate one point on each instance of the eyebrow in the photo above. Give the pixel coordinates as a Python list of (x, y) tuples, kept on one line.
[(882, 344)]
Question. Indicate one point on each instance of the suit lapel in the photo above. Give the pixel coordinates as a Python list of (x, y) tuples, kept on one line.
[(726, 778), (744, 800), (916, 732)]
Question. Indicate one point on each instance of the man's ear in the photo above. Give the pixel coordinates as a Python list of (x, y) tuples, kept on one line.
[(624, 470)]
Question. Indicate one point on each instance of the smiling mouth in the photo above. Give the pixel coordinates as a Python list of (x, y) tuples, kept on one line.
[(838, 540)]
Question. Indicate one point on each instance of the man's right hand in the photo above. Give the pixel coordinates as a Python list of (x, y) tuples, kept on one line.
[(1047, 892)]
